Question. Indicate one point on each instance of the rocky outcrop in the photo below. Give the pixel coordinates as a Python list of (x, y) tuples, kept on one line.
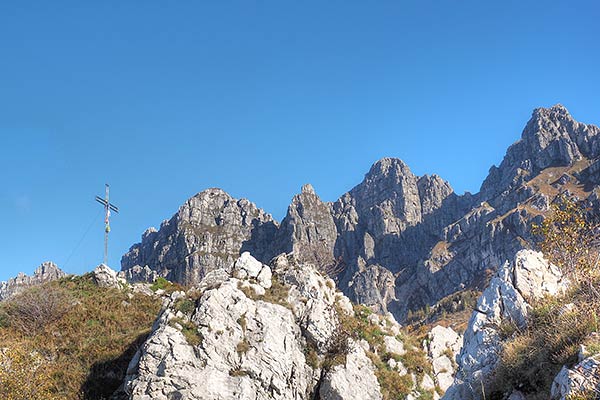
[(106, 277), (355, 379), (46, 272), (262, 332), (582, 379), (386, 225), (308, 230), (396, 241), (529, 276), (551, 138), (443, 345), (208, 232)]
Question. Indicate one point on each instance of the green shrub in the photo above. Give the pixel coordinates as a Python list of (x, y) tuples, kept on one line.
[(186, 306), (189, 330), (160, 283)]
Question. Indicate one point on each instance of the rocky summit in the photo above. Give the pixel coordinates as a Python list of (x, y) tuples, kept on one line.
[(395, 242), (46, 272), (208, 232)]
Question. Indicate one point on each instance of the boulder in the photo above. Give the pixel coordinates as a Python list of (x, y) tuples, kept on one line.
[(353, 380), (106, 277), (583, 378)]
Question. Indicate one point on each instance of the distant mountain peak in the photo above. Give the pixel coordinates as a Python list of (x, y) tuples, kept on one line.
[(551, 138), (555, 109), (47, 271), (389, 166)]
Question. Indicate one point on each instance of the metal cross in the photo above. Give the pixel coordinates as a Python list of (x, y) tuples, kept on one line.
[(107, 208)]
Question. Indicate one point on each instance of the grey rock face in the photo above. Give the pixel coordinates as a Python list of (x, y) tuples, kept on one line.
[(208, 232), (396, 241), (46, 272), (353, 380), (583, 378), (308, 230), (551, 138), (106, 277), (386, 225), (442, 342), (247, 347), (529, 276)]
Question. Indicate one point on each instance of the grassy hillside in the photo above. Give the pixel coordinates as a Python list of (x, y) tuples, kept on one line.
[(557, 327), (70, 339)]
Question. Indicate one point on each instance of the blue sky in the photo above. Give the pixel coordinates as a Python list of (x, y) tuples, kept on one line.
[(165, 99)]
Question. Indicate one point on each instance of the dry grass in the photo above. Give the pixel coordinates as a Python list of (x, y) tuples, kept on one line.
[(88, 345), (532, 357)]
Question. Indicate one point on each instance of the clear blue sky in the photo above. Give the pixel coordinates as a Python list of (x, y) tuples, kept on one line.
[(164, 99)]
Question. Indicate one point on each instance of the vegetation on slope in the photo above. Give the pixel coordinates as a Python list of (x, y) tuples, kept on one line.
[(557, 326), (79, 337), (393, 385)]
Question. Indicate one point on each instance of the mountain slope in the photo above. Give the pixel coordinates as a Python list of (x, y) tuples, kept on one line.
[(396, 241)]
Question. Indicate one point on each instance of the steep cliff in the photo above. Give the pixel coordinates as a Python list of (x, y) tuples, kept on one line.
[(208, 232), (396, 241)]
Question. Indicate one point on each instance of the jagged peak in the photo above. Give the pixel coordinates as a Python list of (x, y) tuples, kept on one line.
[(545, 122), (211, 192), (551, 137), (389, 166), (308, 189), (557, 109), (47, 267)]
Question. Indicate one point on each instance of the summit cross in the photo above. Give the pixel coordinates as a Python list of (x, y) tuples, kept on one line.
[(108, 206)]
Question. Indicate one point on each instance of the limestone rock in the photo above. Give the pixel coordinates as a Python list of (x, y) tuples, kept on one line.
[(46, 272), (308, 230), (106, 277), (354, 380), (246, 267), (442, 347), (393, 345), (208, 232), (248, 350), (138, 274), (582, 378), (551, 138), (503, 300), (239, 345)]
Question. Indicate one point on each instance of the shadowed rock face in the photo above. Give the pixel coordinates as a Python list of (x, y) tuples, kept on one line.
[(46, 272), (308, 230), (396, 240)]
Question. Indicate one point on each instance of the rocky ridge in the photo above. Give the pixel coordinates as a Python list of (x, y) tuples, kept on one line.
[(396, 241), (208, 232), (265, 332), (46, 272)]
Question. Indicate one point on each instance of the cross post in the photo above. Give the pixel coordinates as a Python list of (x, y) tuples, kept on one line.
[(108, 207)]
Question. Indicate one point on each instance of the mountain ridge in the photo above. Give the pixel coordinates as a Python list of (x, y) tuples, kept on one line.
[(395, 241)]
